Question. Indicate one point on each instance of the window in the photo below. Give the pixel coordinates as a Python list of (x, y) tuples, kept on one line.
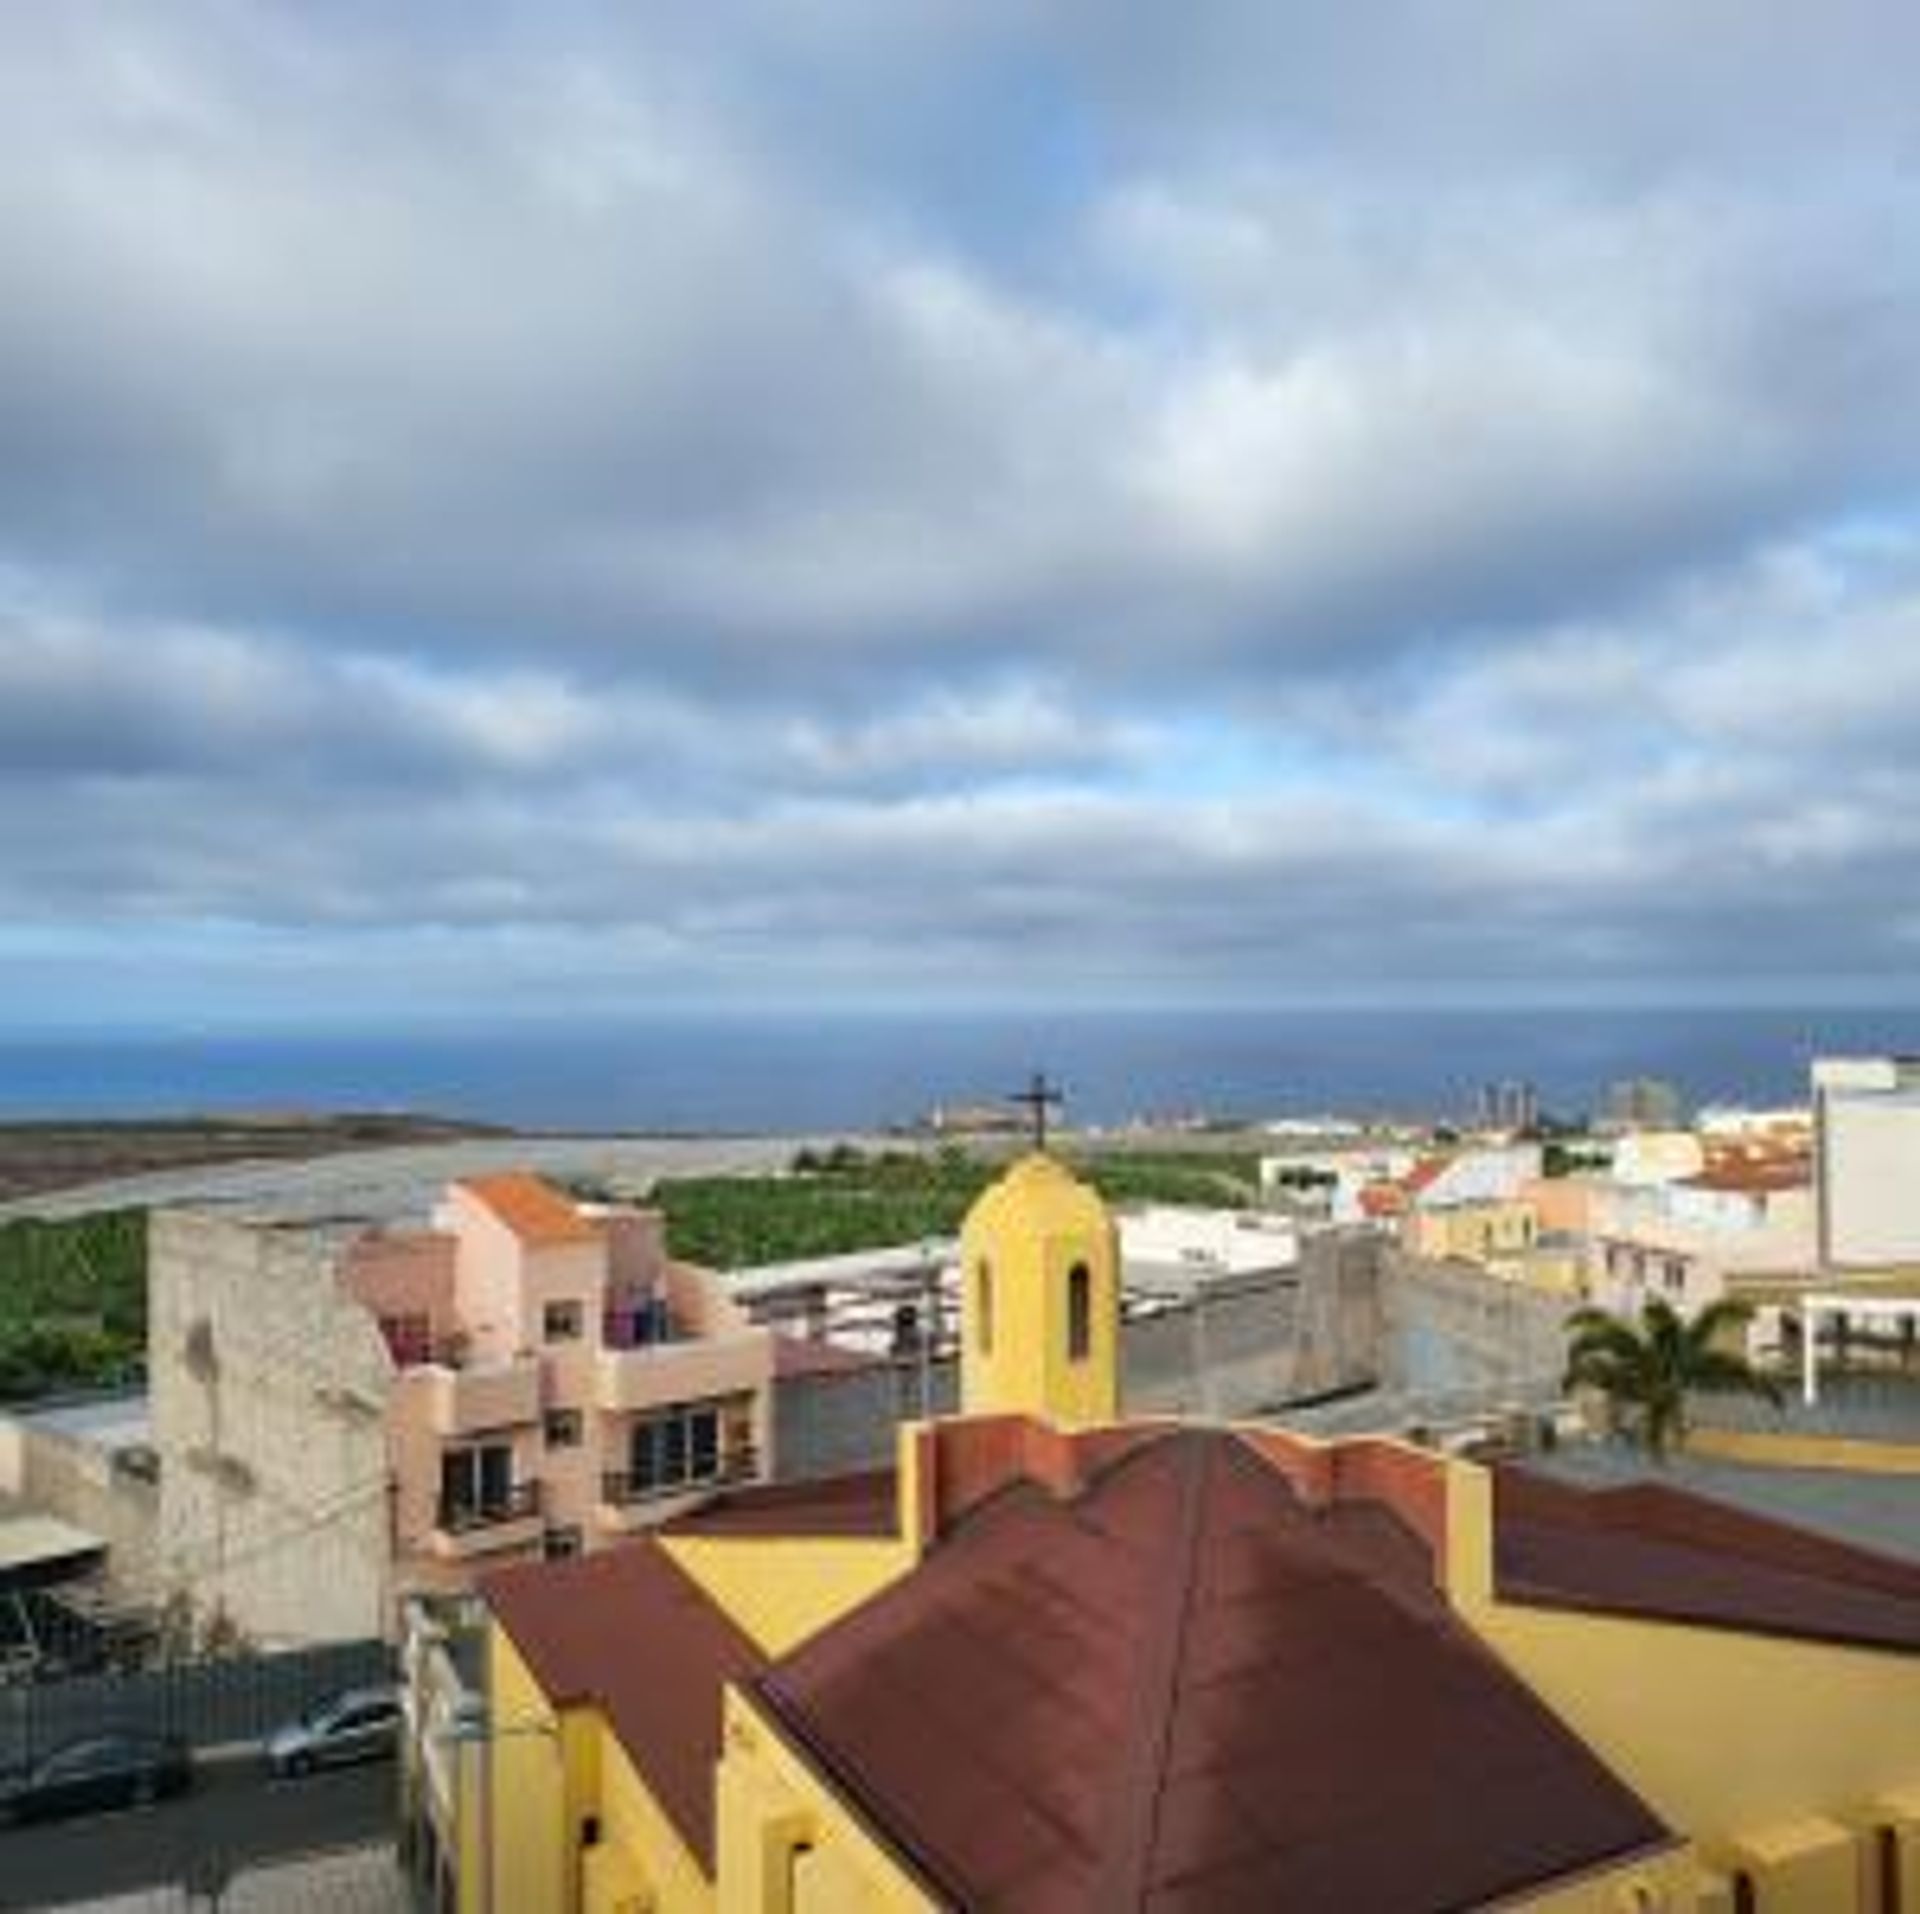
[(983, 1305), (557, 1544), (1079, 1313), (677, 1448), (563, 1428), (477, 1480), (560, 1322)]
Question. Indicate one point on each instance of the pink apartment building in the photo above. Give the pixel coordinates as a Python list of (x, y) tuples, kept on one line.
[(558, 1381)]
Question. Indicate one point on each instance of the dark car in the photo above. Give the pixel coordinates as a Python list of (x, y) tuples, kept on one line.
[(103, 1771)]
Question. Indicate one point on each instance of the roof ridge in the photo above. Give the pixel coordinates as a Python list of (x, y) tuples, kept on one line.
[(1134, 1812)]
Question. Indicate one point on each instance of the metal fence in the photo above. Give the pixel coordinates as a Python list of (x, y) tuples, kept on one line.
[(209, 1703)]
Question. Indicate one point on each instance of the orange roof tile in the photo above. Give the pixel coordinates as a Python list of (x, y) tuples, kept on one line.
[(1426, 1171), (531, 1207), (1755, 1176)]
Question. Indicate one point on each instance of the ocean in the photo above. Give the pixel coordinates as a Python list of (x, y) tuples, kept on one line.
[(787, 1073)]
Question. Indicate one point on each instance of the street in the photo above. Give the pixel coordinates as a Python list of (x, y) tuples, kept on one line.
[(234, 1810)]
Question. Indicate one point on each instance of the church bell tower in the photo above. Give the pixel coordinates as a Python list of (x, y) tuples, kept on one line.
[(1040, 1297)]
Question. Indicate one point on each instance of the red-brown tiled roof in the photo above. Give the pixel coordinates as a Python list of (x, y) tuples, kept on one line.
[(532, 1208), (866, 1503), (1646, 1549), (1183, 1689), (629, 1632)]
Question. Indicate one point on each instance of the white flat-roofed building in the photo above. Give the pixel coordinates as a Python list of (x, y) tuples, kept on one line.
[(1867, 1161), (1166, 1247)]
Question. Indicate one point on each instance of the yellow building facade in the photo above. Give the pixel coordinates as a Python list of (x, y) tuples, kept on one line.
[(1777, 1773)]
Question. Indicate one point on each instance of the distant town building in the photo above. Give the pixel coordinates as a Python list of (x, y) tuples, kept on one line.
[(1867, 1158), (1742, 1215), (345, 1414), (1643, 1103), (1510, 1104), (1159, 1241)]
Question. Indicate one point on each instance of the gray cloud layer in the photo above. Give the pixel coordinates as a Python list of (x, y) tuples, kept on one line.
[(1141, 503)]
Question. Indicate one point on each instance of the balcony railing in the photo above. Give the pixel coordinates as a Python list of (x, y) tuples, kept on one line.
[(645, 1324), (622, 1489), (462, 1515)]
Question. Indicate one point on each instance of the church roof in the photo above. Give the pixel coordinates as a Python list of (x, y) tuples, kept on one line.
[(1649, 1550), (629, 1632), (1183, 1688), (863, 1503)]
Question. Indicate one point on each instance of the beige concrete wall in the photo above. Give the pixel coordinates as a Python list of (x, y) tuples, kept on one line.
[(404, 1273), (268, 1390), (1870, 1182)]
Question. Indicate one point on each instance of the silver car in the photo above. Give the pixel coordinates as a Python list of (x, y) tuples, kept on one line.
[(361, 1725)]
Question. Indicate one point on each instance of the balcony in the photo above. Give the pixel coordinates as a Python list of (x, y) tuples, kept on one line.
[(464, 1528), (654, 1375), (629, 1501), (464, 1401)]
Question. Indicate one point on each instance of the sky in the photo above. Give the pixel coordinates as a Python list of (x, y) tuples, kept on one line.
[(514, 510)]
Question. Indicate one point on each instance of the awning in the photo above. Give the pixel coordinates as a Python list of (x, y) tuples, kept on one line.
[(38, 1549)]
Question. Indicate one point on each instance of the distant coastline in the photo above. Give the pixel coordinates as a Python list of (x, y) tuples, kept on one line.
[(44, 1154), (768, 1074)]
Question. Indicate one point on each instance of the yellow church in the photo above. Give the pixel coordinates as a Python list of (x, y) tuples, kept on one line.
[(1057, 1661)]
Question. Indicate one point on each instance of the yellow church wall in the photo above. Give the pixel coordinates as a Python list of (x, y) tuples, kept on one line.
[(549, 1772), (1741, 1741), (469, 1823), (1654, 1884), (640, 1866), (787, 1845), (526, 1790), (1807, 1452), (782, 1589)]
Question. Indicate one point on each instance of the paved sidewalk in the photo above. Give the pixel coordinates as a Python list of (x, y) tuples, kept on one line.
[(363, 1880)]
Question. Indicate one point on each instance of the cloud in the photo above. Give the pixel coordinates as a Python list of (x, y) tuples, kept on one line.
[(964, 503)]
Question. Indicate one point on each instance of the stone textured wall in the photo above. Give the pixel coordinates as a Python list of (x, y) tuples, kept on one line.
[(1245, 1346), (267, 1384), (1453, 1331)]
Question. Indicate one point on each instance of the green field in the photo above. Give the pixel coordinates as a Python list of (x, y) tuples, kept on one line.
[(845, 1200), (73, 1303), (73, 1295)]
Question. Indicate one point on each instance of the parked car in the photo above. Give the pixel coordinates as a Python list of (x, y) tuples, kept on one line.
[(361, 1725), (103, 1771)]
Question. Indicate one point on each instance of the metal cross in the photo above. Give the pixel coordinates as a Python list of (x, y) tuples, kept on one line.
[(1037, 1096)]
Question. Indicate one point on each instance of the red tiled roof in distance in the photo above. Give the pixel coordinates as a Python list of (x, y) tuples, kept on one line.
[(532, 1208), (1753, 1176), (1425, 1172), (628, 1632), (1662, 1553), (1182, 1688)]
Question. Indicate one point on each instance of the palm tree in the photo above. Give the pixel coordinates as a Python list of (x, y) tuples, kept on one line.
[(1646, 1372)]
